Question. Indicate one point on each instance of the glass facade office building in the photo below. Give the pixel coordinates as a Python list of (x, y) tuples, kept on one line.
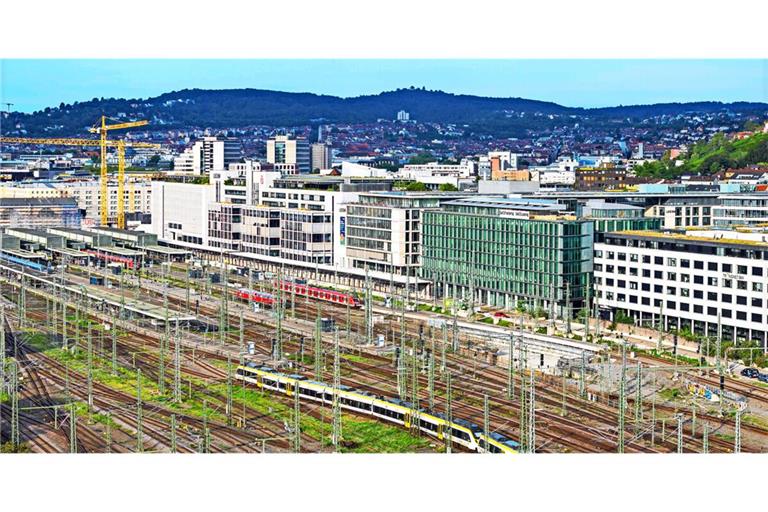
[(508, 250)]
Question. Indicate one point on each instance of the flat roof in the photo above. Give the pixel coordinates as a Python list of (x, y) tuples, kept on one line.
[(21, 253), (120, 251), (141, 307), (510, 202), (69, 252), (166, 250), (685, 237)]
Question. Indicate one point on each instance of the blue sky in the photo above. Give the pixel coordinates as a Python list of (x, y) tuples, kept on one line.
[(32, 84)]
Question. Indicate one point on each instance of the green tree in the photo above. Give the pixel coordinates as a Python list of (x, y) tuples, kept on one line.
[(416, 186), (447, 187)]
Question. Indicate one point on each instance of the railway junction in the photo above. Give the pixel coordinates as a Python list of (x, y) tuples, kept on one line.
[(157, 352)]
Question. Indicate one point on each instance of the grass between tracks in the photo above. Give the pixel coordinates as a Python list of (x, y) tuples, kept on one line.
[(359, 435)]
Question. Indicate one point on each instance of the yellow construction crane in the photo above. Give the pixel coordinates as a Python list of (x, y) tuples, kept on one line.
[(102, 131), (103, 143)]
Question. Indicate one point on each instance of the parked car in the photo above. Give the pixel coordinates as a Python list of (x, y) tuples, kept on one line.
[(750, 372)]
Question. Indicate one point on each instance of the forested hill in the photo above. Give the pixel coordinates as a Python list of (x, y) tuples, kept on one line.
[(236, 108)]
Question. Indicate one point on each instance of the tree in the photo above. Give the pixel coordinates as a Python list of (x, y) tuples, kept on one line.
[(447, 187), (416, 186)]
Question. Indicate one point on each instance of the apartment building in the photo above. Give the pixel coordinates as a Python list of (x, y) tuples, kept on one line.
[(505, 250), (321, 156), (686, 281)]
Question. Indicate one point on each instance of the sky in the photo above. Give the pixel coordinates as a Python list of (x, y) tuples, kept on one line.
[(33, 84)]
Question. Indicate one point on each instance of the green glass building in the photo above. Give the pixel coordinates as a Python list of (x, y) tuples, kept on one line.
[(500, 251)]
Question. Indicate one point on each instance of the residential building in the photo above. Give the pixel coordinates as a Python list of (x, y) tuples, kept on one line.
[(402, 115), (687, 281), (500, 251), (294, 152), (321, 156)]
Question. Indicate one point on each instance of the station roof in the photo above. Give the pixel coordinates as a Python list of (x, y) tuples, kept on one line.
[(166, 250)]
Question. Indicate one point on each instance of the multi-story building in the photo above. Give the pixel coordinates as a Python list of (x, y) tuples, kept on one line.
[(208, 154), (682, 212), (506, 250), (137, 195), (741, 210), (686, 281), (39, 212), (610, 217), (321, 156), (294, 152), (180, 212), (382, 230)]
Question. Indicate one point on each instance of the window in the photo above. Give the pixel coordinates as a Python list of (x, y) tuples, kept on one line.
[(658, 260), (757, 271), (712, 281), (646, 272), (684, 292), (727, 267), (622, 270), (741, 285), (698, 279), (727, 297), (645, 301), (633, 299), (741, 300), (633, 271), (712, 266), (672, 262), (757, 318), (741, 315), (671, 276), (698, 294), (727, 283), (671, 304), (698, 264), (726, 313), (742, 269), (671, 290), (698, 309), (646, 259), (685, 263), (684, 306), (711, 296), (657, 288), (658, 274), (712, 311), (646, 287), (685, 278), (757, 287), (758, 303)]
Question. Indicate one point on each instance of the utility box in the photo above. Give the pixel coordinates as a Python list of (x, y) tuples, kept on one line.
[(97, 280)]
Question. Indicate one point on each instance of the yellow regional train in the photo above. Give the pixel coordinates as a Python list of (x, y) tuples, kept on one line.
[(462, 432)]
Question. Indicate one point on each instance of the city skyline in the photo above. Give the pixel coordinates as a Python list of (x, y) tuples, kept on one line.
[(574, 83)]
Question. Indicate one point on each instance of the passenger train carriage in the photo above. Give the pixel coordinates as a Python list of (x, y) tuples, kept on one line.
[(462, 432), (301, 289)]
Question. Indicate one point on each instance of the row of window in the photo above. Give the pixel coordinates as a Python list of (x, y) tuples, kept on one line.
[(684, 263), (673, 277), (671, 305)]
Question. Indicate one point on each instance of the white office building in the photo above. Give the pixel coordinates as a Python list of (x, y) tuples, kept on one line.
[(206, 155), (686, 281), (289, 155)]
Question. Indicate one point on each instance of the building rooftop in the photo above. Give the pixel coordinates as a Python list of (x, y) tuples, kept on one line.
[(531, 204), (9, 202), (709, 237)]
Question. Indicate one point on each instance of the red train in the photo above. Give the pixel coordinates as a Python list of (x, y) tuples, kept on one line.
[(128, 262), (256, 296), (303, 290)]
